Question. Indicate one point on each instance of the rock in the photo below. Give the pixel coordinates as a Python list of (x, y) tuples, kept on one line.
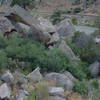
[(5, 2), (95, 69), (5, 92), (18, 14), (70, 76), (5, 25), (41, 29), (23, 29), (66, 49), (99, 83), (61, 80), (35, 76), (46, 26), (20, 77), (56, 91), (57, 98), (66, 28), (97, 40), (7, 77), (82, 40), (22, 95)]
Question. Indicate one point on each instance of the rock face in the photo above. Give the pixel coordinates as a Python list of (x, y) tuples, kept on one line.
[(5, 92), (7, 77), (5, 25), (61, 80), (66, 49), (35, 76), (95, 69), (66, 28)]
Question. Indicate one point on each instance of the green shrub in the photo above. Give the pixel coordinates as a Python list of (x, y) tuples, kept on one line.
[(31, 96), (3, 60), (85, 47), (95, 83), (33, 54), (81, 87), (95, 95), (56, 17), (76, 10)]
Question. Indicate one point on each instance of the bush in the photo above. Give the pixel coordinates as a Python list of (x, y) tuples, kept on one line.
[(77, 10), (81, 87), (85, 47), (95, 83), (31, 96), (74, 21), (32, 54), (95, 95), (56, 17), (3, 60)]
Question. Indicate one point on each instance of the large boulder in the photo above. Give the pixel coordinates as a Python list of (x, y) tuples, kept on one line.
[(66, 49), (7, 77), (5, 25), (66, 28), (61, 80), (35, 76), (5, 92), (95, 69), (18, 14)]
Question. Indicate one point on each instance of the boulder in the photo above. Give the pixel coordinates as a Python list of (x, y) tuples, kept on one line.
[(61, 80), (99, 83), (56, 91), (23, 29), (7, 77), (95, 69), (5, 25), (82, 40), (66, 49), (35, 76), (70, 76), (66, 28), (5, 91), (22, 95)]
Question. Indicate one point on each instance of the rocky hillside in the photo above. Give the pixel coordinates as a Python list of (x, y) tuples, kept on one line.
[(48, 57)]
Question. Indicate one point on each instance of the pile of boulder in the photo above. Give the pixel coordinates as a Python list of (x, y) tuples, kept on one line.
[(20, 20), (14, 86)]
